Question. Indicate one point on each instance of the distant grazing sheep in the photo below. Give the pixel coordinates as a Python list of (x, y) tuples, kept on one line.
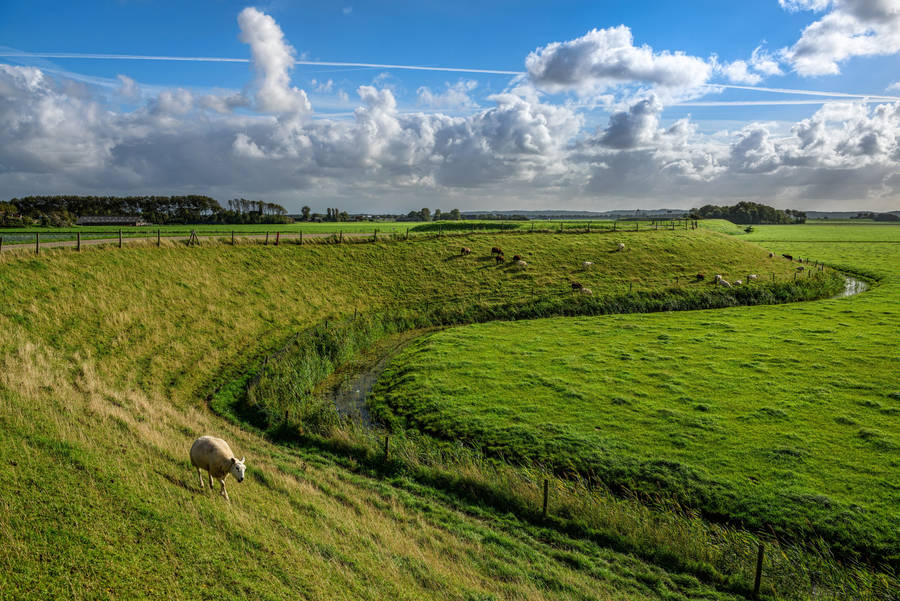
[(700, 277), (496, 250), (465, 250), (738, 282), (577, 286), (517, 257), (621, 246), (215, 456), (521, 264), (586, 264), (586, 292), (801, 268), (752, 276), (788, 257), (720, 281), (499, 259), (771, 255)]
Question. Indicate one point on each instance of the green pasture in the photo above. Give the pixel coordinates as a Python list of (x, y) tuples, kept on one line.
[(108, 357), (780, 418)]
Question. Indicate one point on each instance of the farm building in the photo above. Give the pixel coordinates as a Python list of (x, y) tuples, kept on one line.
[(123, 220)]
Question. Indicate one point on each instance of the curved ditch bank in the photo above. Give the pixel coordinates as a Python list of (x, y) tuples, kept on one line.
[(350, 386)]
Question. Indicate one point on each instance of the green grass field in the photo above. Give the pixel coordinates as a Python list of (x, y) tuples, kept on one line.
[(775, 417), (107, 358)]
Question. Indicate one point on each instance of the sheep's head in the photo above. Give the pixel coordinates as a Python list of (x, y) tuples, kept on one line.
[(237, 469)]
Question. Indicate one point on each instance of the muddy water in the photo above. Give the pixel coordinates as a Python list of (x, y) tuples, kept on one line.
[(852, 286), (350, 394)]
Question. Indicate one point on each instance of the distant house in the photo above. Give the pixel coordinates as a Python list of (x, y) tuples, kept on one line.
[(123, 220)]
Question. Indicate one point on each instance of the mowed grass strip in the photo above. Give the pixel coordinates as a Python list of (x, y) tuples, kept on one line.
[(106, 357), (781, 417)]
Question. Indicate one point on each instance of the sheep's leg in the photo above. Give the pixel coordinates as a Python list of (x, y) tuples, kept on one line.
[(210, 481), (200, 477), (224, 492)]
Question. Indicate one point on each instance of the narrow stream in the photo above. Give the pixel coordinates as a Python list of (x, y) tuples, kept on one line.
[(350, 395)]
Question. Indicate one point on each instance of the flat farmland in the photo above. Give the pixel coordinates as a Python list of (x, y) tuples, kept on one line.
[(781, 417)]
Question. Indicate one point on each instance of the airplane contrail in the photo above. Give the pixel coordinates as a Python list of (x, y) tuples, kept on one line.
[(218, 59), (221, 59)]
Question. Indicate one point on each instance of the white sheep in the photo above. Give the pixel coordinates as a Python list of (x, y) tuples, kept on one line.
[(720, 281), (718, 277), (587, 264), (215, 456), (621, 246), (752, 276), (521, 264), (771, 254), (586, 291), (736, 282)]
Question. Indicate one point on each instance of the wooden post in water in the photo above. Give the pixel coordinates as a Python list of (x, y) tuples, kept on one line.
[(37, 243), (546, 497), (759, 564), (78, 242)]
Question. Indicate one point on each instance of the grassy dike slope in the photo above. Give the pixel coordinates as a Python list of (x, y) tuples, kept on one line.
[(781, 417), (106, 358)]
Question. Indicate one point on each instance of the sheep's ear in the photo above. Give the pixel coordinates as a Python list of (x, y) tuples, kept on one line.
[(242, 460), (233, 461)]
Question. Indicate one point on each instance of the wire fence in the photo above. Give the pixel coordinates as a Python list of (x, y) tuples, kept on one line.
[(43, 239)]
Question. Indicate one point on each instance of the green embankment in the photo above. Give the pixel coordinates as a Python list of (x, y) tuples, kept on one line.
[(107, 356), (781, 418)]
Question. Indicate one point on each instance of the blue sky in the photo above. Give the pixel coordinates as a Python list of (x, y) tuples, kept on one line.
[(619, 104)]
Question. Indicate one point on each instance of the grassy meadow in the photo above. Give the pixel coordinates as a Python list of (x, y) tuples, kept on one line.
[(107, 358), (780, 418)]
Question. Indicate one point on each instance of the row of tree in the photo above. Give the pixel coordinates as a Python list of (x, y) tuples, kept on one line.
[(749, 213), (425, 214), (877, 216), (65, 210)]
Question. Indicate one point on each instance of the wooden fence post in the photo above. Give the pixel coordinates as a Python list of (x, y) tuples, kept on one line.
[(407, 233), (758, 579), (37, 243), (1, 244), (78, 243), (120, 237), (301, 237), (546, 497), (232, 237), (267, 238), (375, 235), (341, 237), (158, 236), (387, 446), (277, 237)]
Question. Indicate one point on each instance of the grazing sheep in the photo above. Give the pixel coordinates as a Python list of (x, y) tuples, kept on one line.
[(621, 246), (738, 282), (465, 250), (723, 282), (215, 456), (517, 257), (771, 255), (586, 292), (577, 286), (788, 257), (586, 264), (499, 259), (700, 277), (801, 268), (752, 276), (496, 250), (521, 264)]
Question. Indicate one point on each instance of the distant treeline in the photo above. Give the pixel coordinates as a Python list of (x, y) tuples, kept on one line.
[(877, 216), (65, 210), (749, 213)]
